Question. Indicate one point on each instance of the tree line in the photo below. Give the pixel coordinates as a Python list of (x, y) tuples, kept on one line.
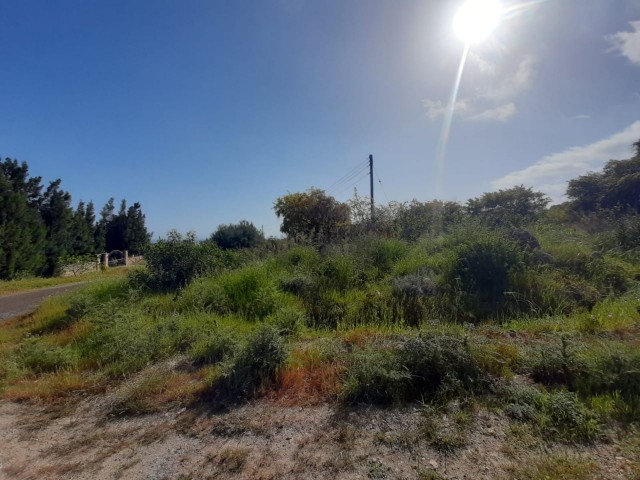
[(40, 229)]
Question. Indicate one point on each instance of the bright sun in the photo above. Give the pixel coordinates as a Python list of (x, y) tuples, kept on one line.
[(476, 19)]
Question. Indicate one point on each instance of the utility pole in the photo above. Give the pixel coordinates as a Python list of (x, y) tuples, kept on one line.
[(371, 188)]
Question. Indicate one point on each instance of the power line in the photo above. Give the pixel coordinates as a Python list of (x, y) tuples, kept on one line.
[(352, 184), (355, 171)]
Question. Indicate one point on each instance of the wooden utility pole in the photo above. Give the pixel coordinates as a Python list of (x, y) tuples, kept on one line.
[(371, 188)]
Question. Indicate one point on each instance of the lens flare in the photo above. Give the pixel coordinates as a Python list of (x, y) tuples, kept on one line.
[(476, 19)]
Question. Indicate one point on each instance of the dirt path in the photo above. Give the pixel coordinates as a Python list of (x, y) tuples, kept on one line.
[(22, 303), (259, 441)]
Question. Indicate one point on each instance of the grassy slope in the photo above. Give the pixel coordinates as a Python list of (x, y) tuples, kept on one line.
[(566, 376)]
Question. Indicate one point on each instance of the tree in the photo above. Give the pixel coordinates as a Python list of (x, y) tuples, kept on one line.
[(616, 188), (125, 230), (237, 235), (137, 237), (514, 206), (57, 214), (312, 214), (415, 218), (22, 232)]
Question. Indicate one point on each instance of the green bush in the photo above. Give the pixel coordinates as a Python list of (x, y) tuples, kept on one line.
[(217, 347), (480, 270), (411, 294), (237, 235), (299, 258), (175, 261), (41, 358), (251, 292), (375, 376), (255, 365), (288, 320), (442, 367)]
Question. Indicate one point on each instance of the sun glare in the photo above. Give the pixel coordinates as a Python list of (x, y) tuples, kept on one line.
[(476, 19)]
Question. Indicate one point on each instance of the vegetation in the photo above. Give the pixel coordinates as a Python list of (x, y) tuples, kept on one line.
[(39, 227), (241, 235), (535, 319)]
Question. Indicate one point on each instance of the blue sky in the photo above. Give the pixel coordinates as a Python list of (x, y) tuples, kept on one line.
[(207, 111)]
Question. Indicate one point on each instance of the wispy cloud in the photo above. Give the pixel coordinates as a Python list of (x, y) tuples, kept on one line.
[(582, 117), (501, 113), (627, 43), (514, 84), (494, 99), (550, 173)]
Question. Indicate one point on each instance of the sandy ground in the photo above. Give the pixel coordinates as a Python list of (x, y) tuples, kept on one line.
[(260, 440)]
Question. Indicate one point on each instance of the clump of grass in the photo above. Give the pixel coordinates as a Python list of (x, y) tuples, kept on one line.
[(217, 347), (39, 357), (288, 320), (375, 376), (557, 466), (556, 415), (233, 460)]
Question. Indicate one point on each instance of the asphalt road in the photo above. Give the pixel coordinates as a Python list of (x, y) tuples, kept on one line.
[(26, 302)]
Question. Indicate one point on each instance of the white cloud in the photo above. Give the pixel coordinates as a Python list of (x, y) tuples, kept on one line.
[(495, 92), (551, 173), (498, 114), (627, 43), (514, 84), (582, 117), (436, 109)]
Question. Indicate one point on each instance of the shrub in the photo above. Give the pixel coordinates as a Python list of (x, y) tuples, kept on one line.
[(554, 364), (411, 293), (41, 358), (217, 347), (177, 260), (375, 376), (256, 364), (288, 320), (300, 258), (250, 292), (480, 269), (205, 294), (238, 235), (300, 284), (442, 366)]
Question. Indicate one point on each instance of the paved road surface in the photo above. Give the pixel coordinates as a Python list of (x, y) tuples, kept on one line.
[(21, 303)]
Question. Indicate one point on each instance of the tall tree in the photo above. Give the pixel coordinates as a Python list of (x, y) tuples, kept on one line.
[(22, 231), (615, 189), (514, 206), (312, 214), (57, 214), (137, 238)]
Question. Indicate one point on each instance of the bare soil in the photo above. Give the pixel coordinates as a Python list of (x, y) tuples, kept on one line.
[(262, 440)]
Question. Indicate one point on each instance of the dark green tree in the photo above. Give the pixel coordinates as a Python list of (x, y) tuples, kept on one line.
[(57, 215), (137, 237), (22, 231), (615, 189), (516, 206), (237, 235)]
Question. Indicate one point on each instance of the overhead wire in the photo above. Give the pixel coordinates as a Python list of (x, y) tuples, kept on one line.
[(352, 184), (354, 172)]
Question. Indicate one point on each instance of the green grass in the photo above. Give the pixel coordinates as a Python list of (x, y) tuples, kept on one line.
[(16, 286)]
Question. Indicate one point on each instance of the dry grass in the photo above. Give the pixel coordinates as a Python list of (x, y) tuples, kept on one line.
[(558, 466), (52, 387)]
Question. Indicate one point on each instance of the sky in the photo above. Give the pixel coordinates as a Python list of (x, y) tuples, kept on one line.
[(206, 112)]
